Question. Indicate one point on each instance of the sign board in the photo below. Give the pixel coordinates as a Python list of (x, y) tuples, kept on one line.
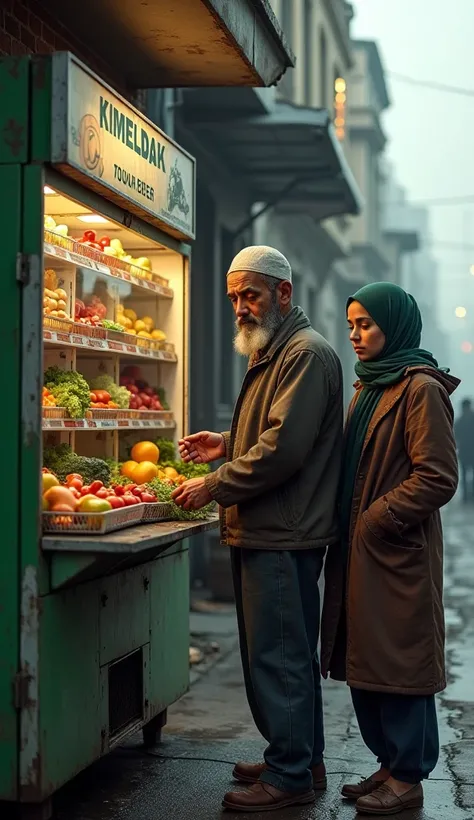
[(101, 136)]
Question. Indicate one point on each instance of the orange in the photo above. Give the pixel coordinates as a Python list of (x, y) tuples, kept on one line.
[(144, 472), (128, 468), (60, 495), (171, 473), (146, 451)]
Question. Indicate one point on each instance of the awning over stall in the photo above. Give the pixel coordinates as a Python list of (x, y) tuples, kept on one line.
[(178, 43), (289, 156)]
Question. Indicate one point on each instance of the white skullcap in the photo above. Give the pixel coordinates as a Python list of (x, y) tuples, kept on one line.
[(262, 259)]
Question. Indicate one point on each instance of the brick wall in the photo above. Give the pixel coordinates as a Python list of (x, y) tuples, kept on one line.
[(27, 28)]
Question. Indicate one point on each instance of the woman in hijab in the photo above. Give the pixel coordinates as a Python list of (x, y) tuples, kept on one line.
[(383, 622)]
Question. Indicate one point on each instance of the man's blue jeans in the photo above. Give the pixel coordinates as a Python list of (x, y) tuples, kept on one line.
[(278, 612)]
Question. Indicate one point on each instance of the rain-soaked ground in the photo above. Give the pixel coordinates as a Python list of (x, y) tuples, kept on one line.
[(186, 776)]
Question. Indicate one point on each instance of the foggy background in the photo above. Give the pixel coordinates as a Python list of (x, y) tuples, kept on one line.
[(431, 142)]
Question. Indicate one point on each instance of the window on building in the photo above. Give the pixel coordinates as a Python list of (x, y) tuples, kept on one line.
[(286, 86), (312, 306), (297, 290), (340, 105), (226, 318), (323, 70), (308, 52)]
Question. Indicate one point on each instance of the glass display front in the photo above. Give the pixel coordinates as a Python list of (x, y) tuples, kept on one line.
[(114, 394)]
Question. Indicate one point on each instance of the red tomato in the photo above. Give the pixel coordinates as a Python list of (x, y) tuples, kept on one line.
[(96, 485), (71, 476), (136, 491), (148, 498), (130, 499), (76, 483), (76, 492), (105, 241), (89, 236), (119, 490), (115, 502), (102, 493), (85, 490)]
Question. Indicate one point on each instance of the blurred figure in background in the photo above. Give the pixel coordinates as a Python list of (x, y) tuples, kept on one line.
[(464, 432)]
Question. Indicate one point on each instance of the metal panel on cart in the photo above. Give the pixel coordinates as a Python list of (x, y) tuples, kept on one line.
[(10, 185)]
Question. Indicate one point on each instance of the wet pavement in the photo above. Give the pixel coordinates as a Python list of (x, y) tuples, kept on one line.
[(210, 729)]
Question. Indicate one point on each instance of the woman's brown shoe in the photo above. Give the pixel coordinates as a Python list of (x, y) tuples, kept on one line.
[(384, 801), (365, 787)]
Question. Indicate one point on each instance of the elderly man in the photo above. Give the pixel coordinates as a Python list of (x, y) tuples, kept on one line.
[(277, 491)]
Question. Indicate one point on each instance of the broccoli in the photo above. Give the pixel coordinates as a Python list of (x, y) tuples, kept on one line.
[(164, 492), (167, 452), (62, 461), (192, 470), (70, 390)]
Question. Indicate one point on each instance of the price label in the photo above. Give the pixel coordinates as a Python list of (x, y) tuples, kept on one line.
[(107, 424), (79, 341), (64, 338), (48, 336), (117, 346), (130, 349), (82, 261), (123, 423), (103, 268), (98, 344)]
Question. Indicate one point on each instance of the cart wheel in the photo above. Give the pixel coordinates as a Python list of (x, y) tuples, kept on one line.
[(36, 811), (152, 730)]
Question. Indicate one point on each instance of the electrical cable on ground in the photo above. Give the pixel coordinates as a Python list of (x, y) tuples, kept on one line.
[(234, 762)]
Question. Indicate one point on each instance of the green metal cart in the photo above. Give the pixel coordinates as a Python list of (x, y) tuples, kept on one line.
[(94, 629)]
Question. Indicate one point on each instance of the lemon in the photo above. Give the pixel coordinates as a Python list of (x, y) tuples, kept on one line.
[(49, 480), (149, 323)]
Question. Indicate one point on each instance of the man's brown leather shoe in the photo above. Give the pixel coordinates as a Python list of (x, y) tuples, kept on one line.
[(263, 797), (384, 801), (251, 772), (354, 791)]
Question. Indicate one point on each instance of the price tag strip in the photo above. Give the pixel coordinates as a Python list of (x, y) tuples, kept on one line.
[(116, 273), (108, 346), (160, 423)]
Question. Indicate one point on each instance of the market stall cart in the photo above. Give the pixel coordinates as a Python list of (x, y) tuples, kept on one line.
[(97, 212)]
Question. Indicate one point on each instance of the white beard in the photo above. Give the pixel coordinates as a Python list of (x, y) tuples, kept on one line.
[(256, 335), (251, 338)]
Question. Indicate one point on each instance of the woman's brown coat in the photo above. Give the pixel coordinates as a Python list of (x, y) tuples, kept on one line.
[(383, 625)]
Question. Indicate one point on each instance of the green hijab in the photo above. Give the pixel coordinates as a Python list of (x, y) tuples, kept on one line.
[(398, 316)]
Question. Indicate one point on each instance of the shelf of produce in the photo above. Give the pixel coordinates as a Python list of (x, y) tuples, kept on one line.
[(56, 252), (160, 421), (130, 541), (87, 344)]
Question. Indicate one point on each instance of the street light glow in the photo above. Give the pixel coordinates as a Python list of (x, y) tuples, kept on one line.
[(461, 312), (472, 270), (466, 347)]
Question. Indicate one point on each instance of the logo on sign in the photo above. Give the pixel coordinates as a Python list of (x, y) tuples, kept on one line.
[(90, 145), (176, 193)]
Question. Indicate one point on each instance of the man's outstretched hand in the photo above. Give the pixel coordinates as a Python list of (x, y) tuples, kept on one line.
[(192, 495), (201, 448)]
